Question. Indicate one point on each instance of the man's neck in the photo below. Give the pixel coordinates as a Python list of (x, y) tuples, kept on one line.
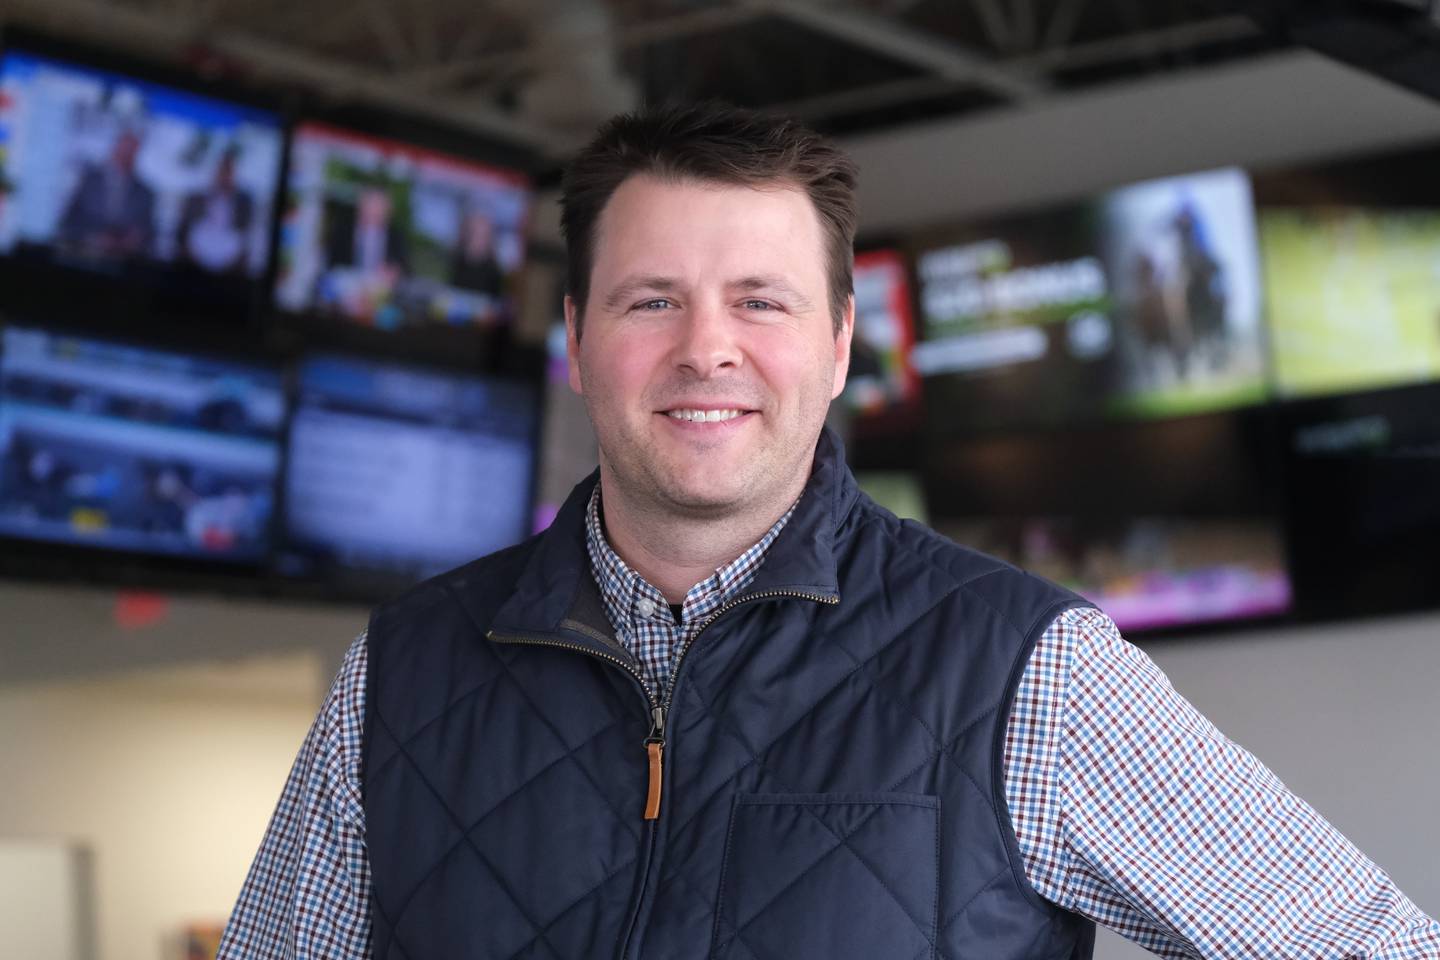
[(674, 552)]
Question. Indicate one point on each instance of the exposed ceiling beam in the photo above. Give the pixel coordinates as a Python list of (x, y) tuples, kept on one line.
[(1168, 40), (1129, 46), (1063, 21), (104, 22), (535, 57), (894, 39)]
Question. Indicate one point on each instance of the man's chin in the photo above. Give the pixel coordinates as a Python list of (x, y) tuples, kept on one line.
[(702, 500)]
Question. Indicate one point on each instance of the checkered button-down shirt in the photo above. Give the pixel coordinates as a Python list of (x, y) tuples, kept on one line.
[(640, 613), (1129, 806)]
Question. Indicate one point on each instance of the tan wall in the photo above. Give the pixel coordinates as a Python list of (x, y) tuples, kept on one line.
[(168, 777)]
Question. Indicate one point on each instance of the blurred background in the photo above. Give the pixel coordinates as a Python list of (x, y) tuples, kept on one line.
[(1148, 301)]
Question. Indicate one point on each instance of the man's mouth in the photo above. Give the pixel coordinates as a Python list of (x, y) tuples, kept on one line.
[(704, 416)]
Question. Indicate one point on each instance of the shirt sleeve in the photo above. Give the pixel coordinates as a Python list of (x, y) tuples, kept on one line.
[(307, 895), (1132, 809)]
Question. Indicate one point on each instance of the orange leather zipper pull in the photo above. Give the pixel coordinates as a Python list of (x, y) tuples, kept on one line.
[(652, 799), (655, 747)]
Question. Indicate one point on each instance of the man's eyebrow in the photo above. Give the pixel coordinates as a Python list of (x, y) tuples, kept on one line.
[(775, 282), (631, 286)]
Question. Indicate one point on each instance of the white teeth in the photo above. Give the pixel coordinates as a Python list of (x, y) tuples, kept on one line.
[(704, 416)]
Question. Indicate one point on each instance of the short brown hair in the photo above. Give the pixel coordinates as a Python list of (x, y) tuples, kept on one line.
[(715, 143)]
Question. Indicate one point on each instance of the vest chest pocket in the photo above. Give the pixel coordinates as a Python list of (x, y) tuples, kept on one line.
[(832, 876)]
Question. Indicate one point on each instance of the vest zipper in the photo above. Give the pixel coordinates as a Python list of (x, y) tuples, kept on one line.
[(659, 711)]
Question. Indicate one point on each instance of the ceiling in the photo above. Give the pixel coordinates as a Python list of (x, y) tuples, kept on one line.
[(543, 72)]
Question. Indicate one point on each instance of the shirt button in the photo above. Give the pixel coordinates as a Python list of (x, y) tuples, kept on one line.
[(645, 607)]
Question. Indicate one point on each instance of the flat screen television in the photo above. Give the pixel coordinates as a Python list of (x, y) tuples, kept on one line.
[(398, 472), (1362, 473), (390, 235), (116, 175), (1148, 572), (122, 447), (1165, 524), (1143, 303), (1353, 296)]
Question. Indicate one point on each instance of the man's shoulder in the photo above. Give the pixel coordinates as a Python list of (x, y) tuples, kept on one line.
[(455, 597), (910, 549)]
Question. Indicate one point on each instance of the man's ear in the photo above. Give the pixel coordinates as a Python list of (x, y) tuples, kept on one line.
[(572, 343), (842, 347)]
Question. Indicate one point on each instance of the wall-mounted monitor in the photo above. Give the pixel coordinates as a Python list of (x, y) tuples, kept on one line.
[(1143, 303), (120, 176), (1148, 572), (390, 235), (1362, 474), (397, 472), (1353, 296), (110, 445)]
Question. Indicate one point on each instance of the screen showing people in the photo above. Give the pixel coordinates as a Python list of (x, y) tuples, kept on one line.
[(405, 472), (392, 236), (1353, 296), (106, 171), (1143, 303), (129, 448)]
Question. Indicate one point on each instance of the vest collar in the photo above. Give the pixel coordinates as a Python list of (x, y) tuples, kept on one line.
[(556, 594)]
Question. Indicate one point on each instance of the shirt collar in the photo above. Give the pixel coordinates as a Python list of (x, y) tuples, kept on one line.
[(554, 590), (629, 599)]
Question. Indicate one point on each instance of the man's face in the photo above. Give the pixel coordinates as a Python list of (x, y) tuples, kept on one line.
[(708, 357), (124, 151), (374, 208)]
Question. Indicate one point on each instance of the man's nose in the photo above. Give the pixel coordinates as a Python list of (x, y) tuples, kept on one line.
[(707, 342)]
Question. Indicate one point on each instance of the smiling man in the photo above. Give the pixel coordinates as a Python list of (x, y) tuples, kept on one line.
[(728, 707)]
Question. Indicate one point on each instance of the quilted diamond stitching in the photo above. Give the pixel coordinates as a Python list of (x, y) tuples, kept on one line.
[(575, 903), (755, 756), (804, 872), (465, 841), (394, 935), (418, 731), (844, 842), (465, 831), (758, 758), (877, 685), (939, 954), (570, 751)]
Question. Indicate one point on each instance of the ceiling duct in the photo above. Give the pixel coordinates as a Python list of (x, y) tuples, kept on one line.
[(578, 82)]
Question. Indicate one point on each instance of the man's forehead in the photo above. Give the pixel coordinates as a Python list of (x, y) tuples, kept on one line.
[(638, 191), (655, 225)]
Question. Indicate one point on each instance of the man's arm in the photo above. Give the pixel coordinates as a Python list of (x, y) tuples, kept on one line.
[(1134, 810), (308, 893)]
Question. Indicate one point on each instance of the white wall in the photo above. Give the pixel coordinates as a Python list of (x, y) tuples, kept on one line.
[(1347, 716), (46, 900), (168, 777), (1279, 110)]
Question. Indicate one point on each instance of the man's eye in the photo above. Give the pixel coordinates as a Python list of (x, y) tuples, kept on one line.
[(657, 303), (759, 305)]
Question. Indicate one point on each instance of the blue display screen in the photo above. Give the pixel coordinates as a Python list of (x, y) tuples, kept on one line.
[(100, 169), (129, 448), (406, 472)]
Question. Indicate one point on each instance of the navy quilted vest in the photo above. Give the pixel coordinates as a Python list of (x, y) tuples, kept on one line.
[(832, 762)]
